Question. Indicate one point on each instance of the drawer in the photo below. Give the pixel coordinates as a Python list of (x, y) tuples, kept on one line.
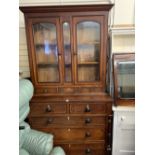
[(75, 134), (46, 90), (87, 149), (38, 109), (126, 118), (67, 120), (82, 108)]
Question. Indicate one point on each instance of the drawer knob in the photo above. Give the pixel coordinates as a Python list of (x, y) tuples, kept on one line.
[(48, 108), (87, 134), (87, 151), (87, 120), (122, 118), (49, 120), (87, 109)]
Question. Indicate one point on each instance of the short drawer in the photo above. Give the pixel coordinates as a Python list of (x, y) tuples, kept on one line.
[(87, 149), (47, 108), (67, 120), (86, 108), (75, 134), (126, 117), (46, 90)]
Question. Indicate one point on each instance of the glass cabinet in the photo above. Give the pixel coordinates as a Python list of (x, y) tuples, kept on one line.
[(88, 51), (68, 60), (124, 77), (68, 50), (46, 49)]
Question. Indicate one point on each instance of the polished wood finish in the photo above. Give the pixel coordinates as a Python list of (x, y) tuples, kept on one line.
[(65, 8), (77, 113), (118, 57), (97, 148), (75, 134), (51, 121)]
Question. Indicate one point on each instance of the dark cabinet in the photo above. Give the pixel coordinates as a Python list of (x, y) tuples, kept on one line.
[(67, 48)]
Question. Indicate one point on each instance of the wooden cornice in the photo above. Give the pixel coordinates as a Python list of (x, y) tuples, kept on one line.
[(65, 8)]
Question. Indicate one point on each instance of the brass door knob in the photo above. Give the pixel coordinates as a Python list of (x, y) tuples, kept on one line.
[(67, 100)]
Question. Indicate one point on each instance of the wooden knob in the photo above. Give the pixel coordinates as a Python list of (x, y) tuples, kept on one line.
[(48, 108), (87, 109), (87, 120), (87, 151), (87, 134), (49, 120)]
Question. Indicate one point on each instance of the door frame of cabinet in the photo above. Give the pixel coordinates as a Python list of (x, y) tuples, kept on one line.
[(52, 20), (100, 20)]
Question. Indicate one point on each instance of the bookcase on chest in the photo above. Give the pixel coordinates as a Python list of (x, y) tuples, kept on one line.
[(67, 48)]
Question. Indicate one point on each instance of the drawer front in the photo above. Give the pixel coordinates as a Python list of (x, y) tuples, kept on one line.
[(46, 90), (126, 118), (87, 149), (72, 134), (67, 120), (94, 148), (45, 109), (88, 108)]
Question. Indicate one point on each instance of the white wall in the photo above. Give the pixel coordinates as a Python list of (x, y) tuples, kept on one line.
[(123, 13)]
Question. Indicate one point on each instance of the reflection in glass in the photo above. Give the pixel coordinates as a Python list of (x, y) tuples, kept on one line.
[(67, 51), (126, 79), (88, 50), (45, 41)]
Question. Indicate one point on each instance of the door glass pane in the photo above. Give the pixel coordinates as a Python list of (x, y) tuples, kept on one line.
[(126, 79), (46, 49), (88, 51), (67, 51)]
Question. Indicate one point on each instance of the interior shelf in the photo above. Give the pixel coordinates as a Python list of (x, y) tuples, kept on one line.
[(47, 65), (88, 63)]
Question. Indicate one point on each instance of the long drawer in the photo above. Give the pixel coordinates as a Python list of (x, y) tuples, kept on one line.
[(67, 120), (47, 109), (75, 134), (97, 148), (87, 149)]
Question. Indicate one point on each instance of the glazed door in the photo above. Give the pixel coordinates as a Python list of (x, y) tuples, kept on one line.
[(46, 52), (66, 47), (88, 48)]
